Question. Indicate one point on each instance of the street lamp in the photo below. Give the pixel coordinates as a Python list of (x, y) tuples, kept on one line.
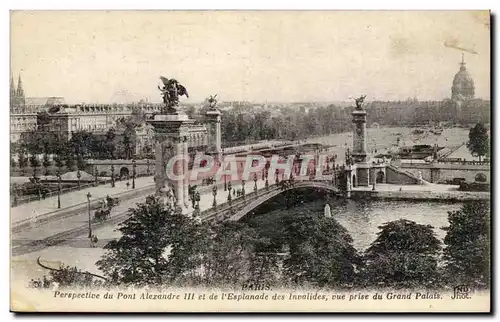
[(96, 172), (147, 169), (16, 191), (197, 198), (78, 176), (225, 183), (243, 188), (267, 181), (276, 173), (112, 176), (229, 198), (255, 182), (133, 173), (90, 224), (214, 193), (58, 190)]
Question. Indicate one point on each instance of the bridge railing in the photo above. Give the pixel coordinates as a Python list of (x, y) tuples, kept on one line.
[(209, 214), (463, 162)]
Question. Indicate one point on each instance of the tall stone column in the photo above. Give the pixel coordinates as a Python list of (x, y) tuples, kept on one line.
[(179, 171), (170, 132), (359, 154), (159, 166), (215, 143), (185, 165), (359, 136)]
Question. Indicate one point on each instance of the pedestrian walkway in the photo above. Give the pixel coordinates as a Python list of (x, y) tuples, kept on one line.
[(44, 206)]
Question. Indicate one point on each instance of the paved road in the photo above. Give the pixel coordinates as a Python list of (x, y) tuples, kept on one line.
[(32, 237), (36, 208)]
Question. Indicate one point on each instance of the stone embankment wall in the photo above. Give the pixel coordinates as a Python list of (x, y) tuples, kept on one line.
[(422, 195)]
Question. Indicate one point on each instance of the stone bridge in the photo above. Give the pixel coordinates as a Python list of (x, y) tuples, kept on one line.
[(243, 205)]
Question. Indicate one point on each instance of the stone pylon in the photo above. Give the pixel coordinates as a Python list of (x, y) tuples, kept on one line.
[(171, 175), (214, 119), (359, 154)]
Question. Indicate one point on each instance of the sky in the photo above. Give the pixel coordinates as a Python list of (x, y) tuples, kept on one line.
[(259, 56)]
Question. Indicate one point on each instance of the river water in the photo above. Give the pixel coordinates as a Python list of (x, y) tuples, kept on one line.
[(362, 218)]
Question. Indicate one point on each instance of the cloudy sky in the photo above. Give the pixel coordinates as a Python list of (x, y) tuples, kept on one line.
[(257, 56)]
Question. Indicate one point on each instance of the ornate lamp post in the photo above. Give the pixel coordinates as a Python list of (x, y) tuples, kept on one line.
[(90, 223), (78, 176), (16, 191), (225, 183), (96, 173), (255, 182), (243, 188), (133, 173), (38, 186), (147, 165), (267, 181), (197, 198), (112, 176), (277, 179), (58, 190), (214, 193), (229, 198)]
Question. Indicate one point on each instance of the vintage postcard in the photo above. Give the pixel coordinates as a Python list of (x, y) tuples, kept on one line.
[(250, 161)]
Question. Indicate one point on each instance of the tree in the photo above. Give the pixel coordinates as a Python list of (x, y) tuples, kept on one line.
[(70, 161), (33, 141), (479, 142), (46, 163), (23, 162), (229, 255), (110, 144), (59, 161), (81, 142), (403, 255), (156, 246), (129, 138), (467, 252), (320, 251), (80, 162), (43, 121), (35, 163)]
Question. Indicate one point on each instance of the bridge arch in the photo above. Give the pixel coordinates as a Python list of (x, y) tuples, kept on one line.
[(380, 177), (480, 177), (124, 172), (264, 196)]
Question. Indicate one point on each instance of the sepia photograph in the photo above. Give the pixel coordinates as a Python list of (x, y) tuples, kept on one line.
[(250, 161)]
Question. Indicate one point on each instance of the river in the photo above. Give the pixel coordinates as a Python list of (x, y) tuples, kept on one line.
[(362, 218)]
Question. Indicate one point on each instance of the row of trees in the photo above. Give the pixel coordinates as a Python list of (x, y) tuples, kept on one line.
[(114, 144), (160, 246), (243, 124), (287, 124)]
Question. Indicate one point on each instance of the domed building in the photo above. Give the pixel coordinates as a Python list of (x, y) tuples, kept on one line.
[(463, 84)]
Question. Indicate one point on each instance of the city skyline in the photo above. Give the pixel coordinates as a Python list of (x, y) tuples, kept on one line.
[(248, 56)]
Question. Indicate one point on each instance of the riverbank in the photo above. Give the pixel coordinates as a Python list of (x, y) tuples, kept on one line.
[(449, 196)]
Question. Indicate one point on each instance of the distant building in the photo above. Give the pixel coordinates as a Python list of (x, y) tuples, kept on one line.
[(16, 95), (463, 84)]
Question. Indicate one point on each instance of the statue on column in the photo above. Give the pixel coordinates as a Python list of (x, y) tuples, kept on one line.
[(171, 91), (359, 102), (212, 102)]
